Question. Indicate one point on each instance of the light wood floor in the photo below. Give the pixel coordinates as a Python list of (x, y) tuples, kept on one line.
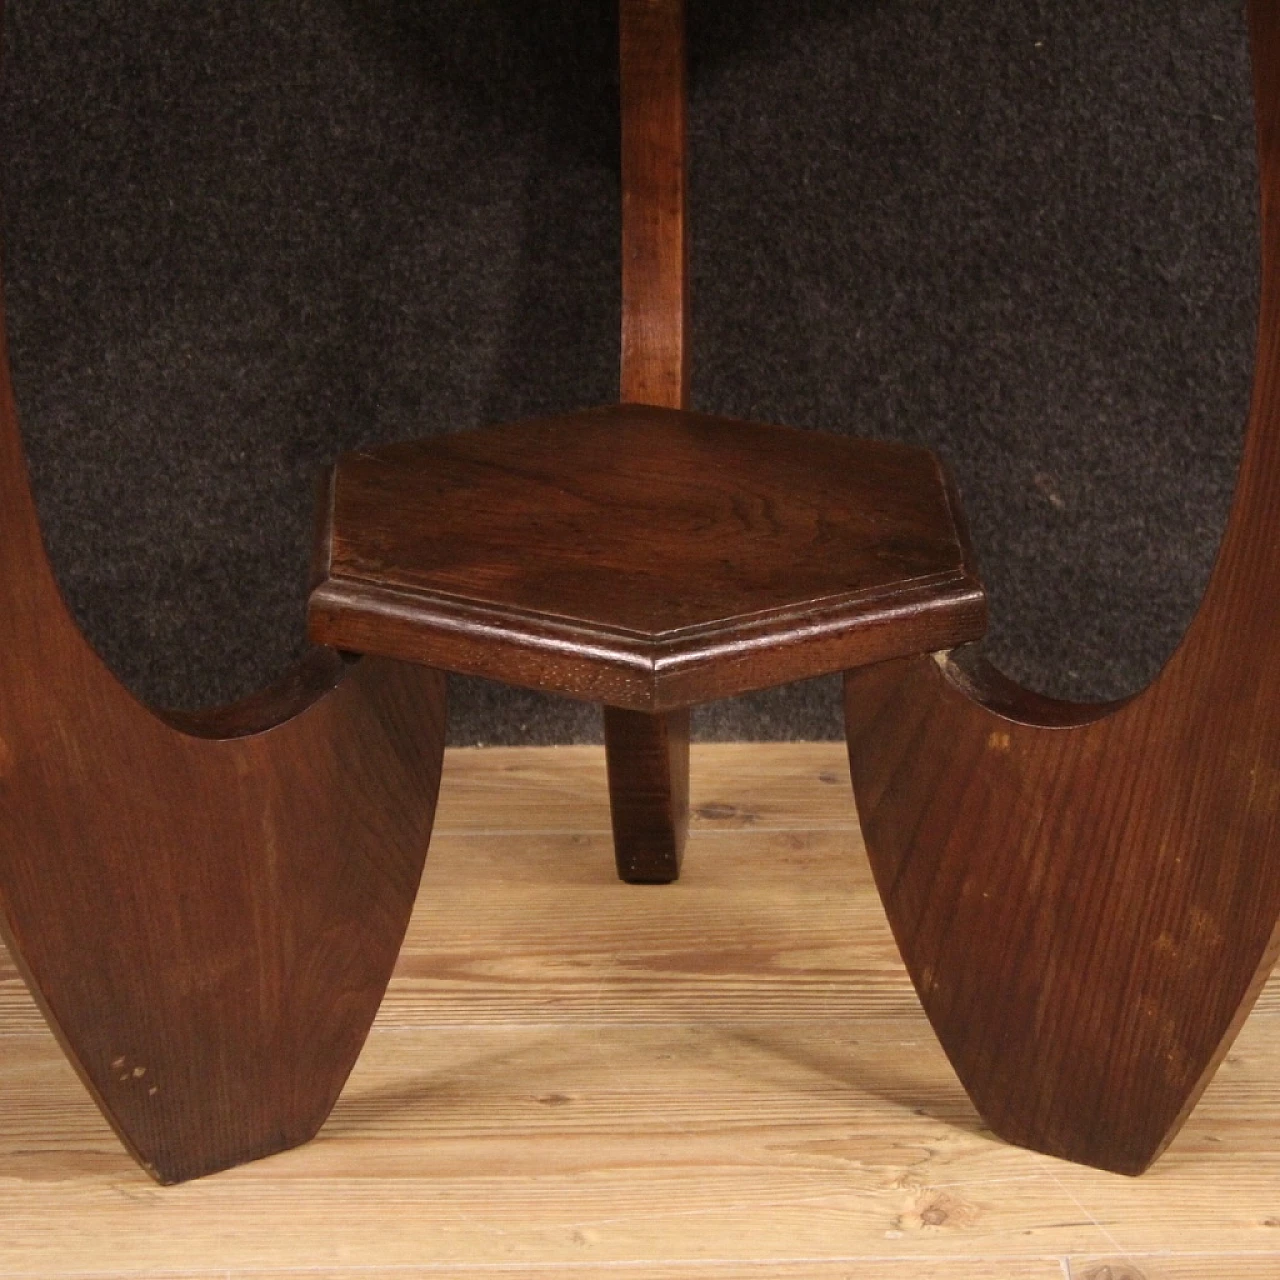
[(721, 1079)]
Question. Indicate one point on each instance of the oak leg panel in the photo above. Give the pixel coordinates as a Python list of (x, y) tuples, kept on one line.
[(209, 923), (648, 763), (1088, 897), (1087, 911)]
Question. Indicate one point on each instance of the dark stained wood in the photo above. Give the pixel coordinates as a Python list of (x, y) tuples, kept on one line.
[(1087, 898), (655, 253), (648, 763), (640, 555), (207, 908), (648, 757), (644, 558)]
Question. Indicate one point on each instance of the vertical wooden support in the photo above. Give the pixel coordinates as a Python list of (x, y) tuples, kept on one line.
[(655, 255), (648, 755), (1087, 897), (648, 760)]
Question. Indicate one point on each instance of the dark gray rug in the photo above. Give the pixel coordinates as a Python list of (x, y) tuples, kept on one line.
[(242, 236)]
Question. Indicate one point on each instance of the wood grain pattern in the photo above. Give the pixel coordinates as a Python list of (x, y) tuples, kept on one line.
[(1087, 897), (644, 558), (648, 755), (655, 239), (533, 1102), (1144, 1267), (648, 763), (208, 908), (1040, 1269), (736, 787)]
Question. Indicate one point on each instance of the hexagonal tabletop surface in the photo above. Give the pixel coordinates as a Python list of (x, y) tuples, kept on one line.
[(646, 558)]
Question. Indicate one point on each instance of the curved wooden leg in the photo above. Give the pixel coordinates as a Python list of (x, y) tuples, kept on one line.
[(207, 908), (648, 761), (1087, 912), (1087, 897)]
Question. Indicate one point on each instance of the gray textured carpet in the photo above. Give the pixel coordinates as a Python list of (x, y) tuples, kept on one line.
[(242, 236)]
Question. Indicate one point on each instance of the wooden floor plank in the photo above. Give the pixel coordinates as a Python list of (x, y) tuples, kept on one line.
[(689, 1269), (700, 1269), (803, 787), (729, 1077), (761, 925), (1161, 1267), (527, 928)]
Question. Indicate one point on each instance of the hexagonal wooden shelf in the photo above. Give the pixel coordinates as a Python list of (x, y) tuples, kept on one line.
[(644, 558)]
